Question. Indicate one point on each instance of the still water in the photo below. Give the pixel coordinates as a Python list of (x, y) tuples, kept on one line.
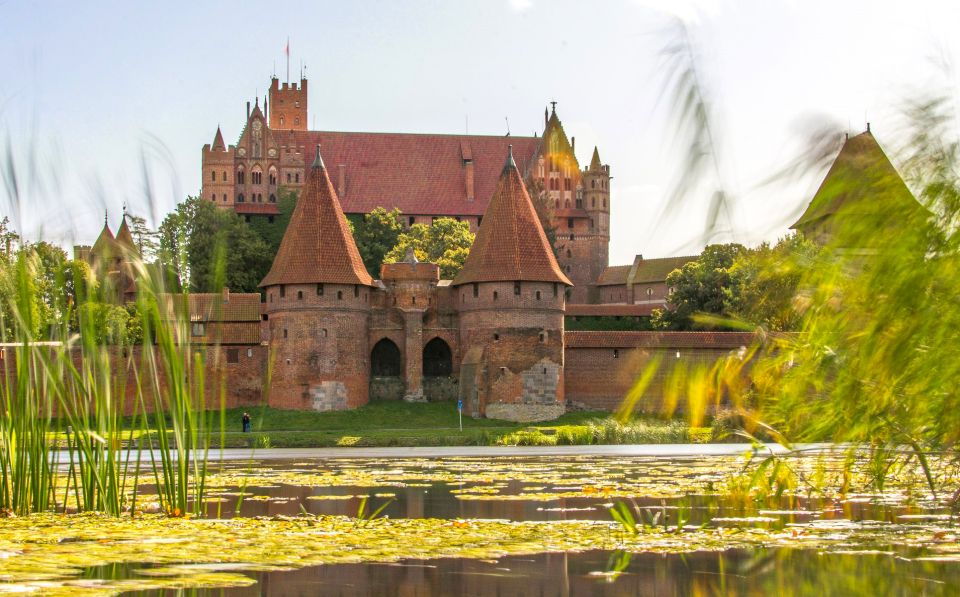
[(691, 495)]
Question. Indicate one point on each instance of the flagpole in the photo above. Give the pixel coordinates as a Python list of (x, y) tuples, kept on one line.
[(288, 60)]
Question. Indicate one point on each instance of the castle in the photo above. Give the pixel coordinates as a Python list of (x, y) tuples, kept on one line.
[(426, 176)]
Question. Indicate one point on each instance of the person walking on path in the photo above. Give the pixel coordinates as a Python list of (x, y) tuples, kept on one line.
[(246, 422)]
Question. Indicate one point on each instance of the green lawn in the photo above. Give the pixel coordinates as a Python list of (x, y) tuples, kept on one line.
[(398, 423)]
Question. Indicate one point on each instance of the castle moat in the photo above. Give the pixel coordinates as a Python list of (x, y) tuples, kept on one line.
[(403, 522)]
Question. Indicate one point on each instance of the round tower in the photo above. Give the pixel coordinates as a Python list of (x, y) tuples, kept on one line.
[(596, 202), (510, 295), (318, 306)]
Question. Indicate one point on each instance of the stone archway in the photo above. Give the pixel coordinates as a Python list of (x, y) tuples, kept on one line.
[(438, 380), (386, 371), (437, 358)]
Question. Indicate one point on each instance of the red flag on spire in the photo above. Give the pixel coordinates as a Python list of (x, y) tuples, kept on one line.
[(287, 50)]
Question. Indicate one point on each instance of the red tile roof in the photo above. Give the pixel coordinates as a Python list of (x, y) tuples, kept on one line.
[(511, 244), (657, 270), (611, 310), (614, 275), (727, 340), (418, 173), (317, 246)]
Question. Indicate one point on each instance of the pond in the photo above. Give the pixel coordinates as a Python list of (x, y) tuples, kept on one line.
[(535, 525)]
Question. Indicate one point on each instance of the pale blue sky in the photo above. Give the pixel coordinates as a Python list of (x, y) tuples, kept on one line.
[(87, 87)]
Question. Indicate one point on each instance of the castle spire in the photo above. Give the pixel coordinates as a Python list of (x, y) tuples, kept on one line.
[(511, 244), (595, 160), (317, 246), (218, 144)]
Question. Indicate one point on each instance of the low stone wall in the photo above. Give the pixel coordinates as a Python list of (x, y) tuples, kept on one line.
[(524, 413), (386, 388), (440, 389)]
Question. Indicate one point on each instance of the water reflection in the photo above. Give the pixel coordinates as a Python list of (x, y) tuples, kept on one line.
[(774, 572)]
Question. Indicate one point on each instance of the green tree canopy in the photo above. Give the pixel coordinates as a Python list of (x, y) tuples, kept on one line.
[(701, 287), (206, 248), (445, 242), (376, 235)]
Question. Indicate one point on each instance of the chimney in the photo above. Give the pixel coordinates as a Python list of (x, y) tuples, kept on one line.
[(868, 127), (226, 295), (341, 180), (248, 110), (468, 179)]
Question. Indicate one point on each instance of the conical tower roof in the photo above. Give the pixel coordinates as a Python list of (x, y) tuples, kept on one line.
[(218, 144), (124, 237), (105, 243), (861, 183), (556, 144), (317, 246), (511, 244), (595, 160)]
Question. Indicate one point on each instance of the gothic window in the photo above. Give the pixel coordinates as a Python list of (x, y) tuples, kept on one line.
[(256, 177), (224, 197), (213, 176), (299, 295), (569, 254), (569, 222), (593, 202), (297, 176), (259, 197), (476, 290), (240, 176), (281, 120), (566, 204), (538, 295), (296, 121), (579, 203), (385, 359), (288, 177), (283, 291), (356, 290), (273, 198), (319, 289), (240, 198), (593, 184), (649, 291), (339, 295), (273, 176), (224, 176), (516, 289), (198, 329), (437, 359), (566, 184), (495, 295)]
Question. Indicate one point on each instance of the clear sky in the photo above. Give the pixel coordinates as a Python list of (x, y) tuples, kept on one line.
[(90, 87)]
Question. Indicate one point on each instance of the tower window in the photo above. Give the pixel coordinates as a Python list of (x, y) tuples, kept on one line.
[(538, 295), (288, 177), (543, 338), (571, 237), (569, 222), (339, 295), (593, 202), (213, 176), (616, 353), (240, 198), (299, 295), (516, 289), (569, 254), (593, 184), (555, 287), (356, 290), (297, 176), (224, 176), (273, 198), (495, 295), (284, 332), (240, 176), (496, 337), (283, 291), (319, 289), (476, 290)]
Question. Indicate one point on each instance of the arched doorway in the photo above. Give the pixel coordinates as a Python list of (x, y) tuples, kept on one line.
[(438, 381), (385, 359), (386, 370), (437, 359)]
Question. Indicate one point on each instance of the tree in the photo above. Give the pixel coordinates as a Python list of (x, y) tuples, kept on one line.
[(765, 283), (9, 239), (146, 239), (376, 235), (209, 248), (445, 242), (271, 232), (701, 287)]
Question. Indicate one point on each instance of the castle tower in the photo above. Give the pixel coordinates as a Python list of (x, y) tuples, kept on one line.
[(596, 202), (862, 202), (288, 105), (510, 294), (218, 172), (318, 305)]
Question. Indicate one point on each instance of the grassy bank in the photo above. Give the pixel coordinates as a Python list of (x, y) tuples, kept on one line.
[(436, 424)]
